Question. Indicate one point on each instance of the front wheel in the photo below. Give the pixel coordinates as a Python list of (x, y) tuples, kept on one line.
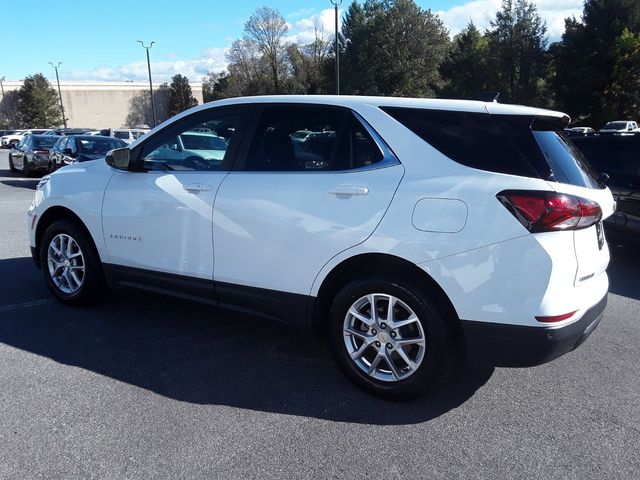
[(70, 264), (389, 338)]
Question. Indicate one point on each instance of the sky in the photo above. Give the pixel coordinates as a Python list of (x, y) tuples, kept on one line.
[(96, 39)]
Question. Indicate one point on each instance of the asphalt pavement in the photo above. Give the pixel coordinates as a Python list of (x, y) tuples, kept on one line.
[(143, 386)]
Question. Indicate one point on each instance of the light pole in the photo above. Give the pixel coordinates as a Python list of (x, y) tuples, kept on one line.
[(153, 107), (55, 67), (336, 4)]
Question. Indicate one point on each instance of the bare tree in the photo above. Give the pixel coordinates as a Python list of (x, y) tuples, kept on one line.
[(267, 29)]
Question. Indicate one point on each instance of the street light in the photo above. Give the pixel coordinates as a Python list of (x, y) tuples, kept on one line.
[(336, 4), (153, 107), (55, 67)]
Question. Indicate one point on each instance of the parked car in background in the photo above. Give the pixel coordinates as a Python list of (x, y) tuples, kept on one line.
[(31, 155), (69, 131), (415, 232), (619, 157), (6, 132), (81, 148), (584, 131), (12, 140), (620, 127), (129, 134)]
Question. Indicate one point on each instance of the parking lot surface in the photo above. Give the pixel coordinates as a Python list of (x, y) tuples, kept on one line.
[(143, 386)]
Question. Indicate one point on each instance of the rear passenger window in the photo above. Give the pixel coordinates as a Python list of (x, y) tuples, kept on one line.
[(308, 138)]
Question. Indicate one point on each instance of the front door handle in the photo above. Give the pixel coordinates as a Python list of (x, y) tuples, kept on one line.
[(349, 191), (197, 187)]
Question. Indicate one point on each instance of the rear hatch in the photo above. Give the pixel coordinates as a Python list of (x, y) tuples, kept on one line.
[(570, 173)]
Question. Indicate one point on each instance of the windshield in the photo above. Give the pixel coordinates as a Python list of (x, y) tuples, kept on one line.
[(616, 125), (99, 146), (202, 142), (121, 135)]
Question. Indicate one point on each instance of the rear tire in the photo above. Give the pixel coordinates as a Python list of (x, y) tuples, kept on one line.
[(397, 356), (70, 264), (26, 171)]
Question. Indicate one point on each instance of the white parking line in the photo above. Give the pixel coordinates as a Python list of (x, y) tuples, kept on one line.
[(17, 306)]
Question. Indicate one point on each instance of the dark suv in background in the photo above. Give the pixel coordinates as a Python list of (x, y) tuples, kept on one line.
[(619, 157)]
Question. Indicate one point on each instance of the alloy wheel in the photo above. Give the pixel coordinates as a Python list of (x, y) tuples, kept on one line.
[(384, 337), (66, 263)]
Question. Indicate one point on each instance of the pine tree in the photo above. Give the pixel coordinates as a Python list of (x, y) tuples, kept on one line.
[(38, 103), (180, 95)]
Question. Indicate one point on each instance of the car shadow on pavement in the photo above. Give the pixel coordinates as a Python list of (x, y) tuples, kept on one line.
[(204, 355), (624, 271), (29, 183)]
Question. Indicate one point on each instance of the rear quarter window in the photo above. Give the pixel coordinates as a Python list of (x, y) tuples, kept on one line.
[(522, 145), (472, 139)]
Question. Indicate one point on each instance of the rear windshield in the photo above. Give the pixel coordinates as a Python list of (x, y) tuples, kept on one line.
[(99, 146), (46, 142), (500, 143)]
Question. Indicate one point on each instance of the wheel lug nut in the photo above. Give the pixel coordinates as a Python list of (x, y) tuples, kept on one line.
[(393, 334), (373, 331), (389, 346), (377, 344), (383, 326)]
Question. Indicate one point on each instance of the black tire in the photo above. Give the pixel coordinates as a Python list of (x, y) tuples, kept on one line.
[(26, 171), (437, 356), (11, 165), (93, 283)]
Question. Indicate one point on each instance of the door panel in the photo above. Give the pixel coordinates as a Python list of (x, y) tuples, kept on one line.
[(277, 230), (158, 221)]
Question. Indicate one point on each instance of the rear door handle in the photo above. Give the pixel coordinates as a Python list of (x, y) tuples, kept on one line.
[(197, 187), (349, 191)]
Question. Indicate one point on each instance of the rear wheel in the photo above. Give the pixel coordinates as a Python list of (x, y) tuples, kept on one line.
[(70, 264), (26, 171), (389, 338)]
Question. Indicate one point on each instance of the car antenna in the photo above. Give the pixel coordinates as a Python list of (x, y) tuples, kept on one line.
[(486, 97)]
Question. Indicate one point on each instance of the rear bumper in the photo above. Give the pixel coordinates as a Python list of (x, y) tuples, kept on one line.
[(519, 346)]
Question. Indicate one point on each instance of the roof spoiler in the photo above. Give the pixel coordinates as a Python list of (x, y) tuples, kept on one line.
[(486, 97)]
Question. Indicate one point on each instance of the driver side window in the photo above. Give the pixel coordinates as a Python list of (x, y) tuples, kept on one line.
[(200, 143)]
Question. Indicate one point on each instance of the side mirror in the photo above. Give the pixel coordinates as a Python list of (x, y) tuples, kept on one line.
[(119, 158)]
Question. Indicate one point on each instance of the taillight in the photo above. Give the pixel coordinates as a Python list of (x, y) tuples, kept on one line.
[(550, 211)]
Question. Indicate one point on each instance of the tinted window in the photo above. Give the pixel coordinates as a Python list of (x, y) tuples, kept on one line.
[(616, 125), (309, 137), (567, 162), (197, 143), (99, 146), (473, 139), (501, 143), (46, 142), (122, 135), (613, 155)]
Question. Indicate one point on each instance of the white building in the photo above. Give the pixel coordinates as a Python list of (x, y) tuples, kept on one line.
[(100, 104)]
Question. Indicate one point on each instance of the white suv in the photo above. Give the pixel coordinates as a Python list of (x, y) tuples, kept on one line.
[(410, 232)]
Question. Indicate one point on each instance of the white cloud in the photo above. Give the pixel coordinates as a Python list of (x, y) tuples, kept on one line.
[(302, 31), (211, 60), (483, 11)]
